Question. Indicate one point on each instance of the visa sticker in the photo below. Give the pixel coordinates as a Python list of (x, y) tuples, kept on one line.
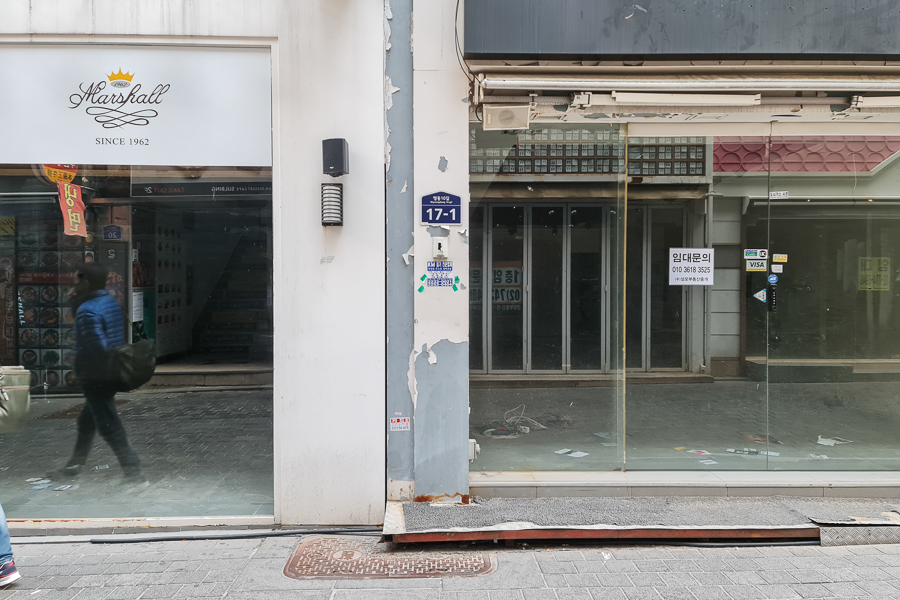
[(756, 265)]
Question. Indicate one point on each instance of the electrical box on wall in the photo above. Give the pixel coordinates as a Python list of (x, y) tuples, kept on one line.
[(439, 245)]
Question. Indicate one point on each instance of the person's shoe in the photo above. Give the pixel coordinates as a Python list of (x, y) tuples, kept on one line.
[(136, 481), (9, 573), (67, 472)]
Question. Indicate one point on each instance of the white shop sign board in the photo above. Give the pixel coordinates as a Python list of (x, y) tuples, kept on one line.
[(691, 266), (135, 105)]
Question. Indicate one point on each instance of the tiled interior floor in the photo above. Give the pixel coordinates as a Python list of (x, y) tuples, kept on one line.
[(206, 453), (664, 423)]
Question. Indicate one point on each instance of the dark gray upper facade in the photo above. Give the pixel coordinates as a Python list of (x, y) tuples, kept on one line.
[(568, 29)]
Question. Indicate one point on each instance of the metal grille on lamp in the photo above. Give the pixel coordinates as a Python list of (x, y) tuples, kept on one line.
[(332, 204)]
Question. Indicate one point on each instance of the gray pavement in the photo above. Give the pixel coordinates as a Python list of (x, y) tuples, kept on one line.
[(205, 452), (250, 569)]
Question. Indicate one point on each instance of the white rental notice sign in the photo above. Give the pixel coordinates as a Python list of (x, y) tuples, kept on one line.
[(135, 105), (691, 266)]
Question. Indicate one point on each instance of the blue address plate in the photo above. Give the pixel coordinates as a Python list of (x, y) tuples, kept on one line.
[(441, 208)]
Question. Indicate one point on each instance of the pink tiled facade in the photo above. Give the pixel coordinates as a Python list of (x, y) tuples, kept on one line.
[(826, 154)]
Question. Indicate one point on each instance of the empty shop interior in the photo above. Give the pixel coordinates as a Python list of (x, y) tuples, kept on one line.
[(586, 357)]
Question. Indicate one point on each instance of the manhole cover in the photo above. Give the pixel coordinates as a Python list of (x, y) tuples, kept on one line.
[(349, 558)]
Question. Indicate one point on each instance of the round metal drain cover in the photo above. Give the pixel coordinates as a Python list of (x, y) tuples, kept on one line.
[(325, 557)]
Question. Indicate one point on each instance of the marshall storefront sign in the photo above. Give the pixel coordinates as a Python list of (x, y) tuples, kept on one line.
[(130, 105)]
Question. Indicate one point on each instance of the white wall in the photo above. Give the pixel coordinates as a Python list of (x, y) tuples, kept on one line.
[(329, 316)]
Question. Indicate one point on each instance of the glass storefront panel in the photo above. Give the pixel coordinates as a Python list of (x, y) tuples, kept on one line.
[(832, 318), (738, 384), (185, 259), (556, 288)]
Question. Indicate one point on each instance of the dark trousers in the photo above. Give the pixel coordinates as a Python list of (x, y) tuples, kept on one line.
[(99, 415)]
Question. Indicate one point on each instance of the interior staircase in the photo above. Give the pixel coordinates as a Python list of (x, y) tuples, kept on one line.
[(236, 322)]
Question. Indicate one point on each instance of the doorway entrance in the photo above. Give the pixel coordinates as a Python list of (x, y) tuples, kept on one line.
[(542, 305)]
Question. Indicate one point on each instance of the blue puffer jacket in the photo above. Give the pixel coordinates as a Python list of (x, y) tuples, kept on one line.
[(99, 328)]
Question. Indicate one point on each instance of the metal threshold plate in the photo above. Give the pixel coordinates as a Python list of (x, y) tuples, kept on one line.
[(859, 535), (328, 557)]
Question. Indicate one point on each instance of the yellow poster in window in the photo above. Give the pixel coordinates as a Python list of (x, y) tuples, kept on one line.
[(7, 226), (874, 273)]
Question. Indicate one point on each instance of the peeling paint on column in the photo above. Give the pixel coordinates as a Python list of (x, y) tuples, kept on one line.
[(408, 254), (440, 360), (399, 144), (441, 424), (411, 379)]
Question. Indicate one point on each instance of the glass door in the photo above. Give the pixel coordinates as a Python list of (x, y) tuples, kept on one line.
[(505, 289), (831, 322), (547, 287)]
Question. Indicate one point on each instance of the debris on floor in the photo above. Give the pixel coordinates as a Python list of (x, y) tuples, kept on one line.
[(515, 424), (578, 454), (817, 456), (832, 441), (708, 462), (762, 439)]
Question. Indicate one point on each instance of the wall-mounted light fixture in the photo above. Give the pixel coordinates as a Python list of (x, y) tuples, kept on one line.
[(335, 162), (332, 204)]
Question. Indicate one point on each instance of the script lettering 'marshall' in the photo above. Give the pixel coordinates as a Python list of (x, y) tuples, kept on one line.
[(117, 109)]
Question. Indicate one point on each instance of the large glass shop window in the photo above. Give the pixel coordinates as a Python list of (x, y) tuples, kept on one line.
[(786, 358), (185, 256)]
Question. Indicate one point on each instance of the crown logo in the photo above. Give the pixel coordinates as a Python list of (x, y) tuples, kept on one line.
[(120, 76)]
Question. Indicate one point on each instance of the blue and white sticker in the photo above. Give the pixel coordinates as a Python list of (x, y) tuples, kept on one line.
[(773, 279)]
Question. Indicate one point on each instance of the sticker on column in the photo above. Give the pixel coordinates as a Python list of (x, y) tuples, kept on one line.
[(756, 253), (400, 424), (778, 268), (760, 295), (783, 195), (780, 258), (756, 265), (773, 279)]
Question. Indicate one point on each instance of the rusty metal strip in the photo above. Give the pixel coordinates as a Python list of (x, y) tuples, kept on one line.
[(799, 533)]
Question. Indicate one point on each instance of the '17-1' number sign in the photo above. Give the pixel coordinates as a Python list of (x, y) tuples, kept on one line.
[(441, 208)]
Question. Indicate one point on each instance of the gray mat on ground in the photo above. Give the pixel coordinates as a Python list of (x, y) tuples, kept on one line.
[(776, 511)]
